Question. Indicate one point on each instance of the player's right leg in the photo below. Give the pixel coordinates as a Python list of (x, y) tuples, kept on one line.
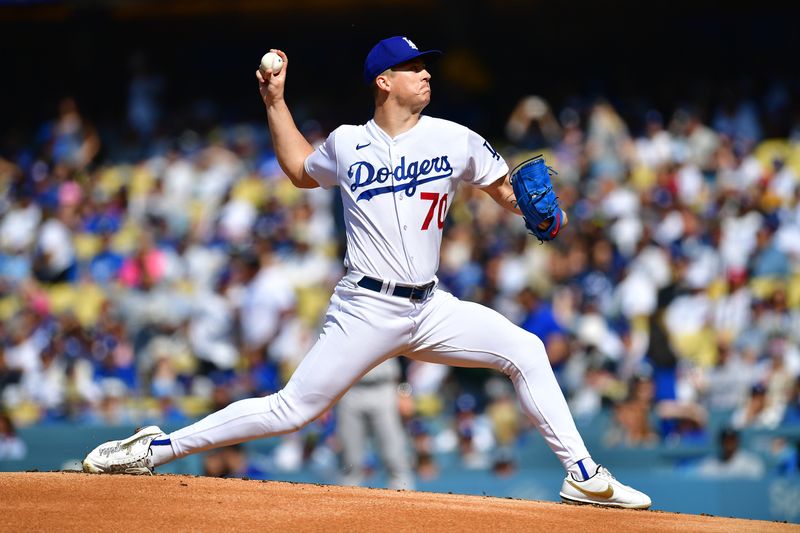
[(361, 330)]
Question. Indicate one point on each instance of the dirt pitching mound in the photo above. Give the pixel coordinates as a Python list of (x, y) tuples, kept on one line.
[(67, 501)]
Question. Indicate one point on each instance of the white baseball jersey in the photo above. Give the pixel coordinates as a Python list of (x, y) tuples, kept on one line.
[(397, 191)]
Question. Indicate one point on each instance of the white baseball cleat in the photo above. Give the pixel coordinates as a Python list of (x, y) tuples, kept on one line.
[(128, 456), (603, 489)]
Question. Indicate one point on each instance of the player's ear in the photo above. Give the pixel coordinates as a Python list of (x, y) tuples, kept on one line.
[(383, 81)]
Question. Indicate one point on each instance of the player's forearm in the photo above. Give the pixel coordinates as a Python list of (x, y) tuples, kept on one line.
[(502, 193), (291, 148)]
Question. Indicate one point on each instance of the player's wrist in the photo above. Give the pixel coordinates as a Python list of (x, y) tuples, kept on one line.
[(274, 104)]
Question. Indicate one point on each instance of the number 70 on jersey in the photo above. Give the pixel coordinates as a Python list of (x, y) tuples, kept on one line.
[(436, 200)]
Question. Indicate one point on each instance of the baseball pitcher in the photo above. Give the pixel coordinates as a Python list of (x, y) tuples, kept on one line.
[(397, 175)]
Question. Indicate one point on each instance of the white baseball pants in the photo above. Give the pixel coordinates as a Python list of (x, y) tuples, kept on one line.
[(363, 328)]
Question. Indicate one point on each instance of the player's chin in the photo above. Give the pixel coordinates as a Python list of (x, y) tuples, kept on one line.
[(421, 102)]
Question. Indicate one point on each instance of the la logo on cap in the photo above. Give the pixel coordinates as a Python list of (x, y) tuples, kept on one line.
[(412, 45)]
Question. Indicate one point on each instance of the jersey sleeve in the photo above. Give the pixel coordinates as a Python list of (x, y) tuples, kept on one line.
[(322, 164), (484, 164)]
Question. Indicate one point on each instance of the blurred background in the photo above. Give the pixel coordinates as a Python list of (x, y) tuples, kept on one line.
[(155, 265)]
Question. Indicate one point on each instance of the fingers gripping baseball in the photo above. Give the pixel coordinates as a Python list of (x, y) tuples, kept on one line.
[(271, 84)]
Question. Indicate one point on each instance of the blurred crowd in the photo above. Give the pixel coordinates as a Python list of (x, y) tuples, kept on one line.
[(149, 278)]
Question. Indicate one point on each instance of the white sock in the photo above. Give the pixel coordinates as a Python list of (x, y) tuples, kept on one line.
[(161, 450), (583, 469)]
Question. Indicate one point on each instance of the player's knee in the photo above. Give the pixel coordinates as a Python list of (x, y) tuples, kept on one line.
[(303, 417), (536, 346), (294, 413), (527, 355)]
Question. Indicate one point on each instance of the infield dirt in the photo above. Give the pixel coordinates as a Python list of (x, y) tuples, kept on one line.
[(68, 501)]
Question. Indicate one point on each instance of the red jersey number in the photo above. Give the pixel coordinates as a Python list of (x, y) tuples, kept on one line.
[(435, 200)]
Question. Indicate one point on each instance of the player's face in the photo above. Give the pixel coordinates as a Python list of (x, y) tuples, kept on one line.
[(411, 83)]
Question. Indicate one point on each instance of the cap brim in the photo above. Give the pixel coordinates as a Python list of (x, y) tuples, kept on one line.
[(426, 54)]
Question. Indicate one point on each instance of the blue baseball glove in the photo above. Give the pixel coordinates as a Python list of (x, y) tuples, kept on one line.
[(536, 199)]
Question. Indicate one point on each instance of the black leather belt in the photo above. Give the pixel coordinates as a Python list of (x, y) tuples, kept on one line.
[(412, 292)]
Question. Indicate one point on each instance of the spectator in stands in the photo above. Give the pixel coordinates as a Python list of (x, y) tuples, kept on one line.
[(231, 462), (756, 413), (655, 148), (145, 268), (472, 433), (212, 326), (768, 261), (632, 426), (8, 375), (732, 460), (785, 456), (267, 300), (608, 143), (144, 93), (506, 423), (724, 387), (532, 125), (20, 222), (699, 142), (732, 310), (70, 139), (54, 260), (424, 461), (791, 416), (737, 118), (682, 422), (540, 319), (11, 446), (104, 266)]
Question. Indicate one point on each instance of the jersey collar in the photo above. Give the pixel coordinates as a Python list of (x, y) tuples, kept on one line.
[(373, 127)]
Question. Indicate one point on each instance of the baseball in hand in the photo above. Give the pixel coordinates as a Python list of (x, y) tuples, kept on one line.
[(273, 61)]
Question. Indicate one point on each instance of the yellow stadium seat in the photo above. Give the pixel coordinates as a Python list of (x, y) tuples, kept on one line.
[(642, 178), (141, 181), (110, 180), (251, 189), (87, 245), (88, 303), (9, 306), (311, 303), (763, 287), (700, 347), (194, 406), (61, 297), (25, 414), (769, 150), (793, 292), (429, 405)]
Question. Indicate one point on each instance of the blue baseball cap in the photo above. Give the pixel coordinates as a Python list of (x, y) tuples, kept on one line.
[(390, 52)]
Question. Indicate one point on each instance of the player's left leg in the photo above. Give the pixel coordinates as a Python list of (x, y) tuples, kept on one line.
[(466, 334), (453, 332)]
